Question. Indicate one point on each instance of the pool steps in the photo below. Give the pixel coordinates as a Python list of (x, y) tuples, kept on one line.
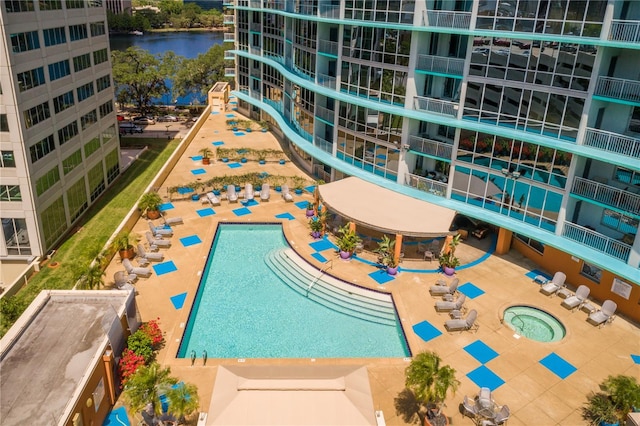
[(331, 292)]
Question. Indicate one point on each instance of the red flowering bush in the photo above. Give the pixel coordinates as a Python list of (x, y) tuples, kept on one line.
[(152, 329), (129, 363)]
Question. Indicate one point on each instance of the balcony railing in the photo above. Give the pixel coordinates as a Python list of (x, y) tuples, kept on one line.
[(229, 56), (426, 185), (606, 194), (612, 142), (435, 105), (330, 47), (229, 72), (431, 147), (229, 19), (326, 81), (256, 72), (275, 4), (625, 31), (324, 145), (324, 113), (255, 94), (440, 64), (329, 11), (277, 105), (229, 37), (254, 50), (597, 241), (228, 2), (243, 89), (447, 19), (618, 88), (256, 4)]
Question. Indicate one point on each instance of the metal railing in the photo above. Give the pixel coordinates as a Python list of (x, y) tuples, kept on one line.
[(277, 105), (275, 4), (324, 113), (229, 56), (330, 47), (326, 80), (597, 241), (323, 144), (618, 88), (256, 4), (229, 19), (435, 105), (625, 31), (254, 50), (228, 2), (615, 197), (440, 64), (612, 142), (329, 11), (446, 18), (229, 37), (431, 147), (229, 72), (327, 265), (427, 185)]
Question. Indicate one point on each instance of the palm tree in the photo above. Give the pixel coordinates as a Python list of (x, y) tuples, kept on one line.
[(92, 277), (146, 385), (183, 400)]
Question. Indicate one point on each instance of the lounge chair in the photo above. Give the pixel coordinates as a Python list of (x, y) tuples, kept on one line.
[(441, 290), (264, 192), (172, 220), (141, 272), (447, 306), (503, 415), (286, 194), (158, 231), (211, 198), (604, 315), (122, 280), (464, 324), (469, 408), (577, 300), (155, 243), (556, 283), (232, 195), (248, 192), (150, 256)]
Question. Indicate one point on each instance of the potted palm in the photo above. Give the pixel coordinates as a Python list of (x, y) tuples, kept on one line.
[(347, 241), (206, 155), (123, 244), (386, 253), (430, 381), (316, 227), (310, 210), (150, 204), (298, 184), (448, 260), (618, 396), (264, 126)]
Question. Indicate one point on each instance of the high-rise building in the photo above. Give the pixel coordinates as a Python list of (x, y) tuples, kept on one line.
[(58, 132), (119, 6), (522, 114)]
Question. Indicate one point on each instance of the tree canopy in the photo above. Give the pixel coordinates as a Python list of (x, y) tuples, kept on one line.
[(199, 74), (172, 14)]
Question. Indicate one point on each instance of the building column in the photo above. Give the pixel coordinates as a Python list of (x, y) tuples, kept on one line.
[(107, 360), (503, 245), (398, 249)]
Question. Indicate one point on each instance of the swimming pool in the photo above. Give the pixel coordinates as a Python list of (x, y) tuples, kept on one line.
[(243, 310)]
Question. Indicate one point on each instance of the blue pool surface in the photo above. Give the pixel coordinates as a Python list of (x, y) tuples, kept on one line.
[(243, 310)]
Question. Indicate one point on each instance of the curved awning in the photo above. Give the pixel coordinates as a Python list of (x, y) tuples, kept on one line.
[(384, 210)]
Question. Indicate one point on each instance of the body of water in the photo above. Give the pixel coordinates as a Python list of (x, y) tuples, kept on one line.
[(188, 44)]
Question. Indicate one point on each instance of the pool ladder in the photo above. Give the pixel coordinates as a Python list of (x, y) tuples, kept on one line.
[(327, 265)]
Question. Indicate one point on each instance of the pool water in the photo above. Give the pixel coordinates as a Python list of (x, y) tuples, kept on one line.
[(243, 310), (534, 323)]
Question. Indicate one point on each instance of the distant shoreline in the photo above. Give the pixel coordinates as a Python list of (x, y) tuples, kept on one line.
[(176, 30)]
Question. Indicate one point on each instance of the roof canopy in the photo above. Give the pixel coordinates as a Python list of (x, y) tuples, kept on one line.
[(385, 210)]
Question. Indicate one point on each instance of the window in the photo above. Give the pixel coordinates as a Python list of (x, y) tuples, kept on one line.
[(50, 4), (620, 222), (67, 132), (92, 146), (97, 28), (112, 161), (62, 102), (8, 159), (59, 69), (103, 82), (23, 42), (627, 176), (78, 32), (81, 62), (16, 236), (106, 109), (75, 4), (42, 148), (53, 36), (47, 181), (4, 123), (96, 181), (71, 162), (77, 199), (100, 56), (54, 222), (30, 79), (95, 3), (85, 91), (108, 134), (10, 193), (12, 6), (88, 119), (591, 271), (35, 115), (534, 244)]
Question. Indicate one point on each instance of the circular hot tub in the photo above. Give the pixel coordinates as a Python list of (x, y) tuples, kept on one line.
[(534, 323)]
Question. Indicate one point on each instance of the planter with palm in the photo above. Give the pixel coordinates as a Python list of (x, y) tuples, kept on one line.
[(316, 227), (206, 155), (619, 395), (150, 204), (386, 254), (347, 241), (145, 386), (123, 243), (448, 260), (183, 401)]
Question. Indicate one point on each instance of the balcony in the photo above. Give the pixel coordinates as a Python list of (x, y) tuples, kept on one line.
[(229, 37), (256, 27), (427, 185), (324, 113), (255, 4), (440, 64), (446, 19), (597, 241), (612, 142), (229, 56), (324, 145), (277, 58), (330, 11), (229, 72), (437, 106), (228, 2), (256, 72), (255, 50), (431, 147), (609, 195), (277, 105), (275, 4), (625, 31), (229, 19), (330, 47), (326, 81), (618, 88)]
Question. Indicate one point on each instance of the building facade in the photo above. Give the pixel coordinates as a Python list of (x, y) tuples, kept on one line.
[(58, 134), (522, 114)]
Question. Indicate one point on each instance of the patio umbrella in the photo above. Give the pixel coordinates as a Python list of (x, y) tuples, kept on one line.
[(476, 186)]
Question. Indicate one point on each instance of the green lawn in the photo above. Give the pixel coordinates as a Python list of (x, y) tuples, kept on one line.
[(93, 230)]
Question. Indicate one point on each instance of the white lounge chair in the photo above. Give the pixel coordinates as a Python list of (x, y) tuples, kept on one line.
[(248, 192), (556, 283), (447, 306), (149, 256), (232, 195), (605, 315), (286, 194), (139, 271), (264, 192), (158, 231), (464, 324), (155, 243), (211, 198), (442, 290), (172, 220), (577, 300)]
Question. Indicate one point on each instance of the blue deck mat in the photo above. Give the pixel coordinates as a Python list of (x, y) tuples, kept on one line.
[(470, 290), (117, 417), (241, 211), (485, 378), (557, 365), (166, 206), (198, 171), (217, 143), (205, 212), (480, 351), (287, 215), (381, 277), (319, 257), (322, 245), (178, 300), (635, 358), (234, 165), (250, 203), (535, 273), (302, 204), (184, 190), (310, 188), (165, 267), (230, 115), (239, 133), (196, 157), (190, 240), (426, 331)]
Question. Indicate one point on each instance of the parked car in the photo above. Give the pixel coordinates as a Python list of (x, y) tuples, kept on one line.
[(168, 118), (143, 120), (502, 42), (129, 127)]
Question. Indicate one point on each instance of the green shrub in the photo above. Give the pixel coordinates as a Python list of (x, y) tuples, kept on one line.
[(140, 343)]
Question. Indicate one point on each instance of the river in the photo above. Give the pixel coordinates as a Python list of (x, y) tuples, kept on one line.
[(184, 43)]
